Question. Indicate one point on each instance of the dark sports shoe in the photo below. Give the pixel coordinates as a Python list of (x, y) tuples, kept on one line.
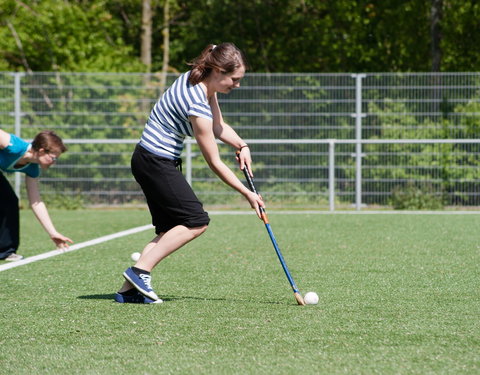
[(142, 283), (136, 298)]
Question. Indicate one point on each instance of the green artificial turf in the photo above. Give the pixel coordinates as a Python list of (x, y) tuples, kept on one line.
[(398, 295)]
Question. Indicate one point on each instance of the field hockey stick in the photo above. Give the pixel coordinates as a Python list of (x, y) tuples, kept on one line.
[(264, 216)]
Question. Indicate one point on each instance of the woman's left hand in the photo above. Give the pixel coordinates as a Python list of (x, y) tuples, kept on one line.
[(245, 160)]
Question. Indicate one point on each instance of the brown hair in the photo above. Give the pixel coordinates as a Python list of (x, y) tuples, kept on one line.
[(49, 141), (226, 57)]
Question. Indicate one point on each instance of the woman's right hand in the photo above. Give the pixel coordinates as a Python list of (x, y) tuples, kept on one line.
[(60, 240), (256, 202)]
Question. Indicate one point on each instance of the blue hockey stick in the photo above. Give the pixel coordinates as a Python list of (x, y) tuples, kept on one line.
[(296, 292)]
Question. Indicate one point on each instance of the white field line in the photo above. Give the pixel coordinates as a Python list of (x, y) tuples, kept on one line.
[(78, 246), (348, 212), (127, 232)]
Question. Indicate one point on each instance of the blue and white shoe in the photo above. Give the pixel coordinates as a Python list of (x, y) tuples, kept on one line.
[(136, 298), (142, 283)]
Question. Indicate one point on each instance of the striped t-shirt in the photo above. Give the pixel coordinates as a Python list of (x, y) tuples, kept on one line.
[(168, 124)]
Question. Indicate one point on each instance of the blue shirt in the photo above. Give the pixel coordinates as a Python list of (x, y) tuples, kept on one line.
[(10, 155), (168, 124)]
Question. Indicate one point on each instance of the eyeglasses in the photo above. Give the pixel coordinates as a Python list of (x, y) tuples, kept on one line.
[(54, 158)]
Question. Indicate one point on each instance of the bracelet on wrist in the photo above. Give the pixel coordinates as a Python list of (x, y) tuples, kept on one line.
[(240, 149)]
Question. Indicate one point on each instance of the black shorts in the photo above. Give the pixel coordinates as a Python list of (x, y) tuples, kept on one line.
[(170, 198)]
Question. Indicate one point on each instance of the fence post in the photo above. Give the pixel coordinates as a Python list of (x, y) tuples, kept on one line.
[(18, 120), (358, 138), (331, 174), (188, 162)]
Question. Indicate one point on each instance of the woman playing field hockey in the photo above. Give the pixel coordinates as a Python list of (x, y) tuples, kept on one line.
[(17, 155), (188, 108)]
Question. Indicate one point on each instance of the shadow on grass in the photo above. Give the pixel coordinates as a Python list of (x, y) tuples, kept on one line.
[(111, 296)]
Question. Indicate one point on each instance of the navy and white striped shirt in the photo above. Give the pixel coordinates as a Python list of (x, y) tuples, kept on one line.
[(168, 124)]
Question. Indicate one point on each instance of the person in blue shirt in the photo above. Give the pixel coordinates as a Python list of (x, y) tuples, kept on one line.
[(17, 155), (188, 108)]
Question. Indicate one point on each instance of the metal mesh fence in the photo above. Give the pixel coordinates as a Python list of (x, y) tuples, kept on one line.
[(293, 106), (101, 117), (437, 173), (415, 106)]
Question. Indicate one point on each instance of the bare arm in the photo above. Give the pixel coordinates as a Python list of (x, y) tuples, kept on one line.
[(228, 135), (205, 137), (4, 139), (40, 211)]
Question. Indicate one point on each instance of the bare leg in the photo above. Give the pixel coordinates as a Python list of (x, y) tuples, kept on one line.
[(162, 246)]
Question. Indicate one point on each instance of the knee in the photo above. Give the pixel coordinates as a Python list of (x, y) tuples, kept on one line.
[(198, 231)]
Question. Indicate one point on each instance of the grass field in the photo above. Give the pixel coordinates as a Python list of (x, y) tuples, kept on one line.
[(399, 294)]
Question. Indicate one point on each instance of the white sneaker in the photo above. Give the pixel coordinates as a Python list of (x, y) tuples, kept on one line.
[(13, 257)]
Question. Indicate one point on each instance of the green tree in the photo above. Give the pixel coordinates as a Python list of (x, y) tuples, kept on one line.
[(315, 36), (277, 35), (461, 39), (54, 35)]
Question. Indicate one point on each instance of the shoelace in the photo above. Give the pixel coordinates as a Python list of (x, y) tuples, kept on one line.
[(147, 279)]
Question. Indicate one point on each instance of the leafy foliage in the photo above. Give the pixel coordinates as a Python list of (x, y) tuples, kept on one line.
[(63, 36), (277, 35), (416, 197)]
